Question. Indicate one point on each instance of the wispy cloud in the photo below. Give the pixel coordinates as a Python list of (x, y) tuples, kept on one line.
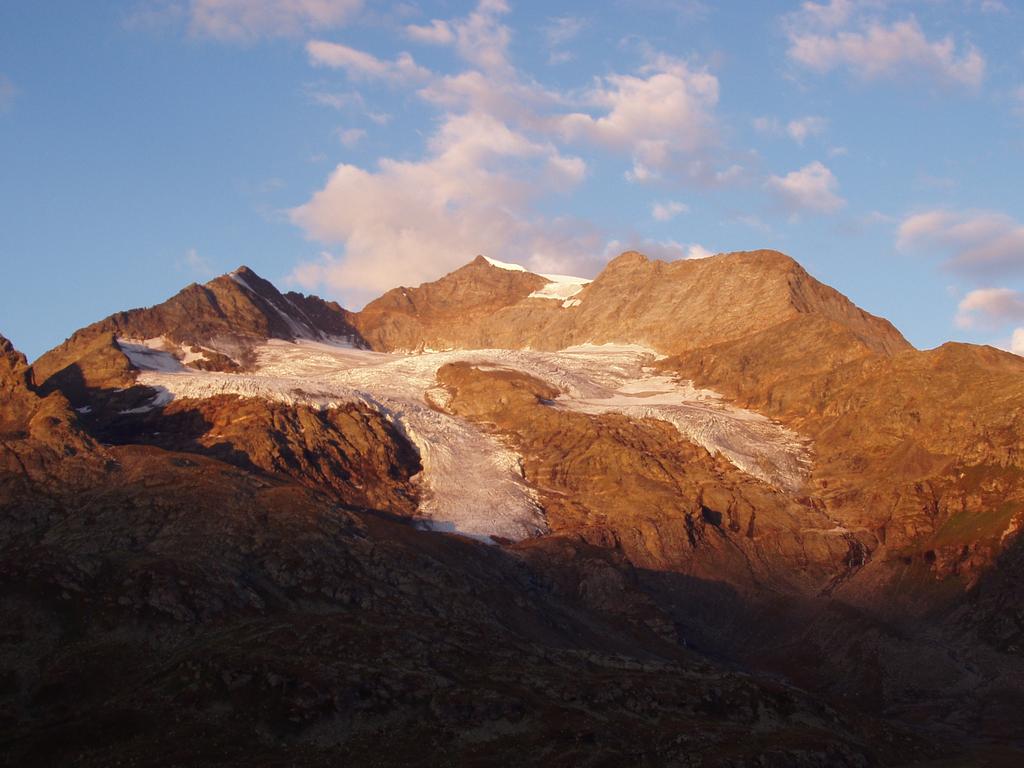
[(990, 307), (813, 188), (668, 210), (244, 20), (1017, 101), (437, 32), (351, 136), (823, 38), (195, 264), (987, 243), (798, 129), (360, 65)]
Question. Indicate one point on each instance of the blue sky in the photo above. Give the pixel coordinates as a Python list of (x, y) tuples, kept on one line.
[(344, 147)]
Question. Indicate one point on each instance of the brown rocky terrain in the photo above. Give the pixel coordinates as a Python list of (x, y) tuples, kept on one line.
[(743, 569), (218, 534), (166, 607)]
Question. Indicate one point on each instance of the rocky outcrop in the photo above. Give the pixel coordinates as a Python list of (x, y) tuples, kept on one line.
[(40, 437), (15, 394), (922, 448), (638, 487), (352, 452)]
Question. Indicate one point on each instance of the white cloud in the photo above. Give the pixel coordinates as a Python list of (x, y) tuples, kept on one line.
[(698, 251), (812, 188), (980, 242), (408, 222), (872, 49), (668, 210), (437, 32), (481, 39), (500, 151), (7, 93), (250, 19), (990, 307), (803, 127), (196, 264), (508, 98), (827, 16), (665, 112), (360, 65), (1017, 342)]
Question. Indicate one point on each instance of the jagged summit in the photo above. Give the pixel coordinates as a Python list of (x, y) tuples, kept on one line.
[(212, 326)]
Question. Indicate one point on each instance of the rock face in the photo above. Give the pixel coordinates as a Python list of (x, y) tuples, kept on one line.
[(250, 555), (14, 388), (353, 453), (637, 486), (459, 310), (230, 311), (218, 323), (670, 307)]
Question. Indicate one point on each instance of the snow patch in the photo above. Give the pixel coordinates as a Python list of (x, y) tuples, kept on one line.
[(150, 354), (162, 398), (561, 288), (505, 265)]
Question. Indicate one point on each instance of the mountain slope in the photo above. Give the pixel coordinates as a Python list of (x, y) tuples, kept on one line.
[(167, 607)]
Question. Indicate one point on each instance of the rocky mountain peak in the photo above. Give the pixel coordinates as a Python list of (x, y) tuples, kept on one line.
[(12, 362), (215, 326), (14, 390)]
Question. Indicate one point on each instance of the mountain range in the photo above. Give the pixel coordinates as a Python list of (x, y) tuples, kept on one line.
[(703, 512)]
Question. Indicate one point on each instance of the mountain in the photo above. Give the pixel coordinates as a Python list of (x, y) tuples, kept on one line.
[(703, 499), (670, 307), (210, 327)]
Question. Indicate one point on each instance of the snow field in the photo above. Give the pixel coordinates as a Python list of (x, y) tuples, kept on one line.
[(471, 483)]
